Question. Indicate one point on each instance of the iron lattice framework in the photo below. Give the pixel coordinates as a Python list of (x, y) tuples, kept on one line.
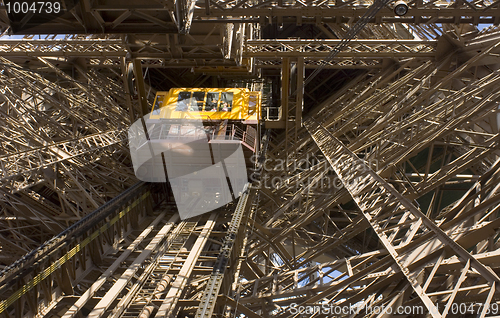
[(386, 193), (63, 152), (191, 16)]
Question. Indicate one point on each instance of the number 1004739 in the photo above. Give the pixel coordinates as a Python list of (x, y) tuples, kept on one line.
[(477, 308), (40, 7)]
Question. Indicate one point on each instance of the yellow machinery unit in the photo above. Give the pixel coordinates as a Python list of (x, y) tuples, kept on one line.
[(232, 104)]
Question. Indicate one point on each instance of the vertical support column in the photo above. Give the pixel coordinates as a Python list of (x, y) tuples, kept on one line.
[(300, 96), (126, 79), (141, 90), (285, 95), (184, 10)]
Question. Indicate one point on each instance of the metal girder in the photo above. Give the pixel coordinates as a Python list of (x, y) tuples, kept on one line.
[(378, 48), (147, 271), (214, 284), (149, 16), (42, 276), (61, 150), (128, 274), (168, 307), (112, 47), (23, 164), (375, 116), (359, 277), (87, 295), (380, 202), (420, 226), (207, 50), (85, 47), (155, 281), (341, 12), (107, 52), (184, 10)]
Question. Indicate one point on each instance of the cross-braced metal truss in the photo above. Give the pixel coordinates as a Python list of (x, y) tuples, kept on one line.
[(192, 16), (63, 151), (386, 194), (392, 151)]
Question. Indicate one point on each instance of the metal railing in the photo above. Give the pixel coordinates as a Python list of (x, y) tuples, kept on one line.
[(214, 130), (225, 131), (272, 113)]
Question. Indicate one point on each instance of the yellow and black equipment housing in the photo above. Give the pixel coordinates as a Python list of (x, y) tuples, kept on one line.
[(212, 104)]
